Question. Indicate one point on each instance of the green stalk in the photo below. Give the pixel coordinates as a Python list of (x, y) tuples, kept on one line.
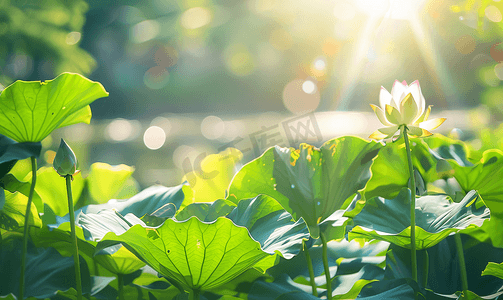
[(412, 206), (426, 268), (462, 266), (194, 295), (325, 265), (120, 279), (74, 236), (310, 268), (25, 227)]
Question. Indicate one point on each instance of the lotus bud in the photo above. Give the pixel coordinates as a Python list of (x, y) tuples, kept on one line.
[(65, 161)]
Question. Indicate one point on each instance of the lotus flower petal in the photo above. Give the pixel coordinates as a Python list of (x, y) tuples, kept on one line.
[(397, 90), (408, 109), (431, 124), (384, 133), (393, 115), (415, 90), (385, 98), (380, 115)]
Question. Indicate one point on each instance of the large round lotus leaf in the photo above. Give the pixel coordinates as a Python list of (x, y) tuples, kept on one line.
[(196, 255), (436, 218), (31, 110), (485, 177), (309, 182)]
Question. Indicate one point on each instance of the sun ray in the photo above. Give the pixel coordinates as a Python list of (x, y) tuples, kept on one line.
[(439, 74)]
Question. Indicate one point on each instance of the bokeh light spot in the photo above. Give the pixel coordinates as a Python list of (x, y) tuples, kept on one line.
[(330, 47), (320, 64), (73, 37), (498, 70), (465, 44), (212, 127), (119, 130), (487, 76), (144, 31), (195, 17), (239, 60), (497, 52), (156, 77), (154, 137), (493, 13), (309, 87), (297, 100)]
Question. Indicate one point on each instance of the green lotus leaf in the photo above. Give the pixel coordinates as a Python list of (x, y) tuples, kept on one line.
[(403, 289), (443, 147), (12, 184), (389, 170), (267, 221), (59, 238), (94, 221), (283, 288), (47, 272), (270, 225), (13, 212), (102, 184), (209, 176), (436, 218), (105, 182), (31, 110), (11, 152), (2, 197), (52, 190), (206, 212), (97, 225), (309, 182), (485, 177), (351, 267), (441, 263), (493, 269), (196, 255), (118, 260), (146, 202)]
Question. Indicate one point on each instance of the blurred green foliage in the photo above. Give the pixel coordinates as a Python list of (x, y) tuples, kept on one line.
[(42, 36)]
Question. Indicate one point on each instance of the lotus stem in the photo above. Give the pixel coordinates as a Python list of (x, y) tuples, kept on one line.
[(25, 227), (462, 266), (194, 294), (74, 236), (310, 268), (412, 206), (426, 268), (120, 279), (325, 265)]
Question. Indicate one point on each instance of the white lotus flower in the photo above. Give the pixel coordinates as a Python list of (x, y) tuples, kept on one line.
[(404, 106)]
